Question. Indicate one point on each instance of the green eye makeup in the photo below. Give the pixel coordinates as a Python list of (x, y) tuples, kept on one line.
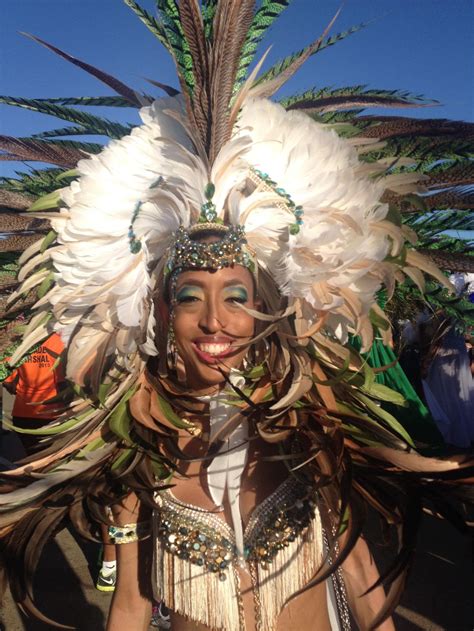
[(238, 294), (188, 292)]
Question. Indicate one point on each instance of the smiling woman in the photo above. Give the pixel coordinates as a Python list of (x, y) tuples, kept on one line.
[(206, 272), (225, 512)]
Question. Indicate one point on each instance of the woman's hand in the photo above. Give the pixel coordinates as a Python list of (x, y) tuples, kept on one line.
[(131, 605)]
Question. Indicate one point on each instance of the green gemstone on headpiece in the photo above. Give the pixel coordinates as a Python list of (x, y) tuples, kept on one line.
[(208, 209), (208, 212), (157, 182), (209, 191), (294, 229), (135, 246), (287, 201)]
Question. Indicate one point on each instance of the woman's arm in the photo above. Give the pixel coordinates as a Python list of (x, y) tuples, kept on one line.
[(131, 605), (360, 573)]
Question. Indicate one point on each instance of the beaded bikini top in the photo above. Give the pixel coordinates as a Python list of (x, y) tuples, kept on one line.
[(196, 561), (202, 538)]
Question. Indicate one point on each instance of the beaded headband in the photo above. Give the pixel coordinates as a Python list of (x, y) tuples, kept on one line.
[(191, 250), (229, 248)]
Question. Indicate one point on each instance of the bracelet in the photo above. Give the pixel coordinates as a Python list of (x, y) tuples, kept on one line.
[(130, 532)]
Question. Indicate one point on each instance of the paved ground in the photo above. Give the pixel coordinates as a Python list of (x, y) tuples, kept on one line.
[(440, 594)]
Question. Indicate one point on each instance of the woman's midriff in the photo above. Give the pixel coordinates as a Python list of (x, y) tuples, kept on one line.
[(306, 612)]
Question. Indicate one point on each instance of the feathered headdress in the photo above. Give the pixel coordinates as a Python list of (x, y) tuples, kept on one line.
[(318, 213), (311, 210)]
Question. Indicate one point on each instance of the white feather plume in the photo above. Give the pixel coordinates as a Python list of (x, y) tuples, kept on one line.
[(332, 262), (155, 167), (335, 263)]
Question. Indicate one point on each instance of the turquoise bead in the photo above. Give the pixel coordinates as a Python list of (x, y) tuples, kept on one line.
[(135, 247)]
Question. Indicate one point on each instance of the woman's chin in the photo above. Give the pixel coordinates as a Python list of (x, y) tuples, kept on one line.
[(203, 376)]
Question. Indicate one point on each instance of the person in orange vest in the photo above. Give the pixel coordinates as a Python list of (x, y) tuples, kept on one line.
[(34, 384)]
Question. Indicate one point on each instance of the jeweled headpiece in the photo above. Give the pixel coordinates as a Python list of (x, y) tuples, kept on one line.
[(228, 248), (209, 243)]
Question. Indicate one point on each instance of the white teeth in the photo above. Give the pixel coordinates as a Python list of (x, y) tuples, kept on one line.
[(213, 349)]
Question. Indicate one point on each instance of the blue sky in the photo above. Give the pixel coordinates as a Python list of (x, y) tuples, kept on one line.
[(423, 46)]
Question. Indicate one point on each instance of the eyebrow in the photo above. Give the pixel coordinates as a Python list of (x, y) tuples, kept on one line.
[(199, 283), (234, 281)]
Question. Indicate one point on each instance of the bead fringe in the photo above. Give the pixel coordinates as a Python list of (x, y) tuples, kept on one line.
[(200, 595)]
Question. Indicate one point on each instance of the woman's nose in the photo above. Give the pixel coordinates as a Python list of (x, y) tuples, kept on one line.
[(213, 317)]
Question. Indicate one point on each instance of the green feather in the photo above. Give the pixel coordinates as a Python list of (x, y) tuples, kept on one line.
[(100, 125), (49, 431), (72, 173), (125, 456), (46, 202), (208, 11), (48, 240), (46, 285), (386, 418), (171, 414), (425, 150), (120, 420), (37, 182), (268, 12), (96, 101), (150, 22), (178, 45), (431, 225), (87, 147), (408, 302), (390, 96), (65, 131), (283, 64)]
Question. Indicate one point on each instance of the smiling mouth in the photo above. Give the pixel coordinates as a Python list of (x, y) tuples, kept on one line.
[(212, 352), (214, 349)]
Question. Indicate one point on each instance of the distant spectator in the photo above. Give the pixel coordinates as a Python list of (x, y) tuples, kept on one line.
[(449, 389), (37, 380)]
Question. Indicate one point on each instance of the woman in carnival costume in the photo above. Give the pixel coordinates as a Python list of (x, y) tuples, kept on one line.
[(208, 270)]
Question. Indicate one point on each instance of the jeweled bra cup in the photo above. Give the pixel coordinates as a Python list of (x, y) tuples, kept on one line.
[(196, 559), (206, 540)]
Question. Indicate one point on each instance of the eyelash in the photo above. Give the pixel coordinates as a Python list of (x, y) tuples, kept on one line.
[(240, 299), (186, 299)]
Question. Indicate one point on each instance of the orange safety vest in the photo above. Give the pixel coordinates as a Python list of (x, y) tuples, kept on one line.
[(37, 380)]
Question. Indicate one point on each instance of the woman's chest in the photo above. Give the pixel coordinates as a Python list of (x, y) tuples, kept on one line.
[(202, 574), (259, 478), (274, 508)]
